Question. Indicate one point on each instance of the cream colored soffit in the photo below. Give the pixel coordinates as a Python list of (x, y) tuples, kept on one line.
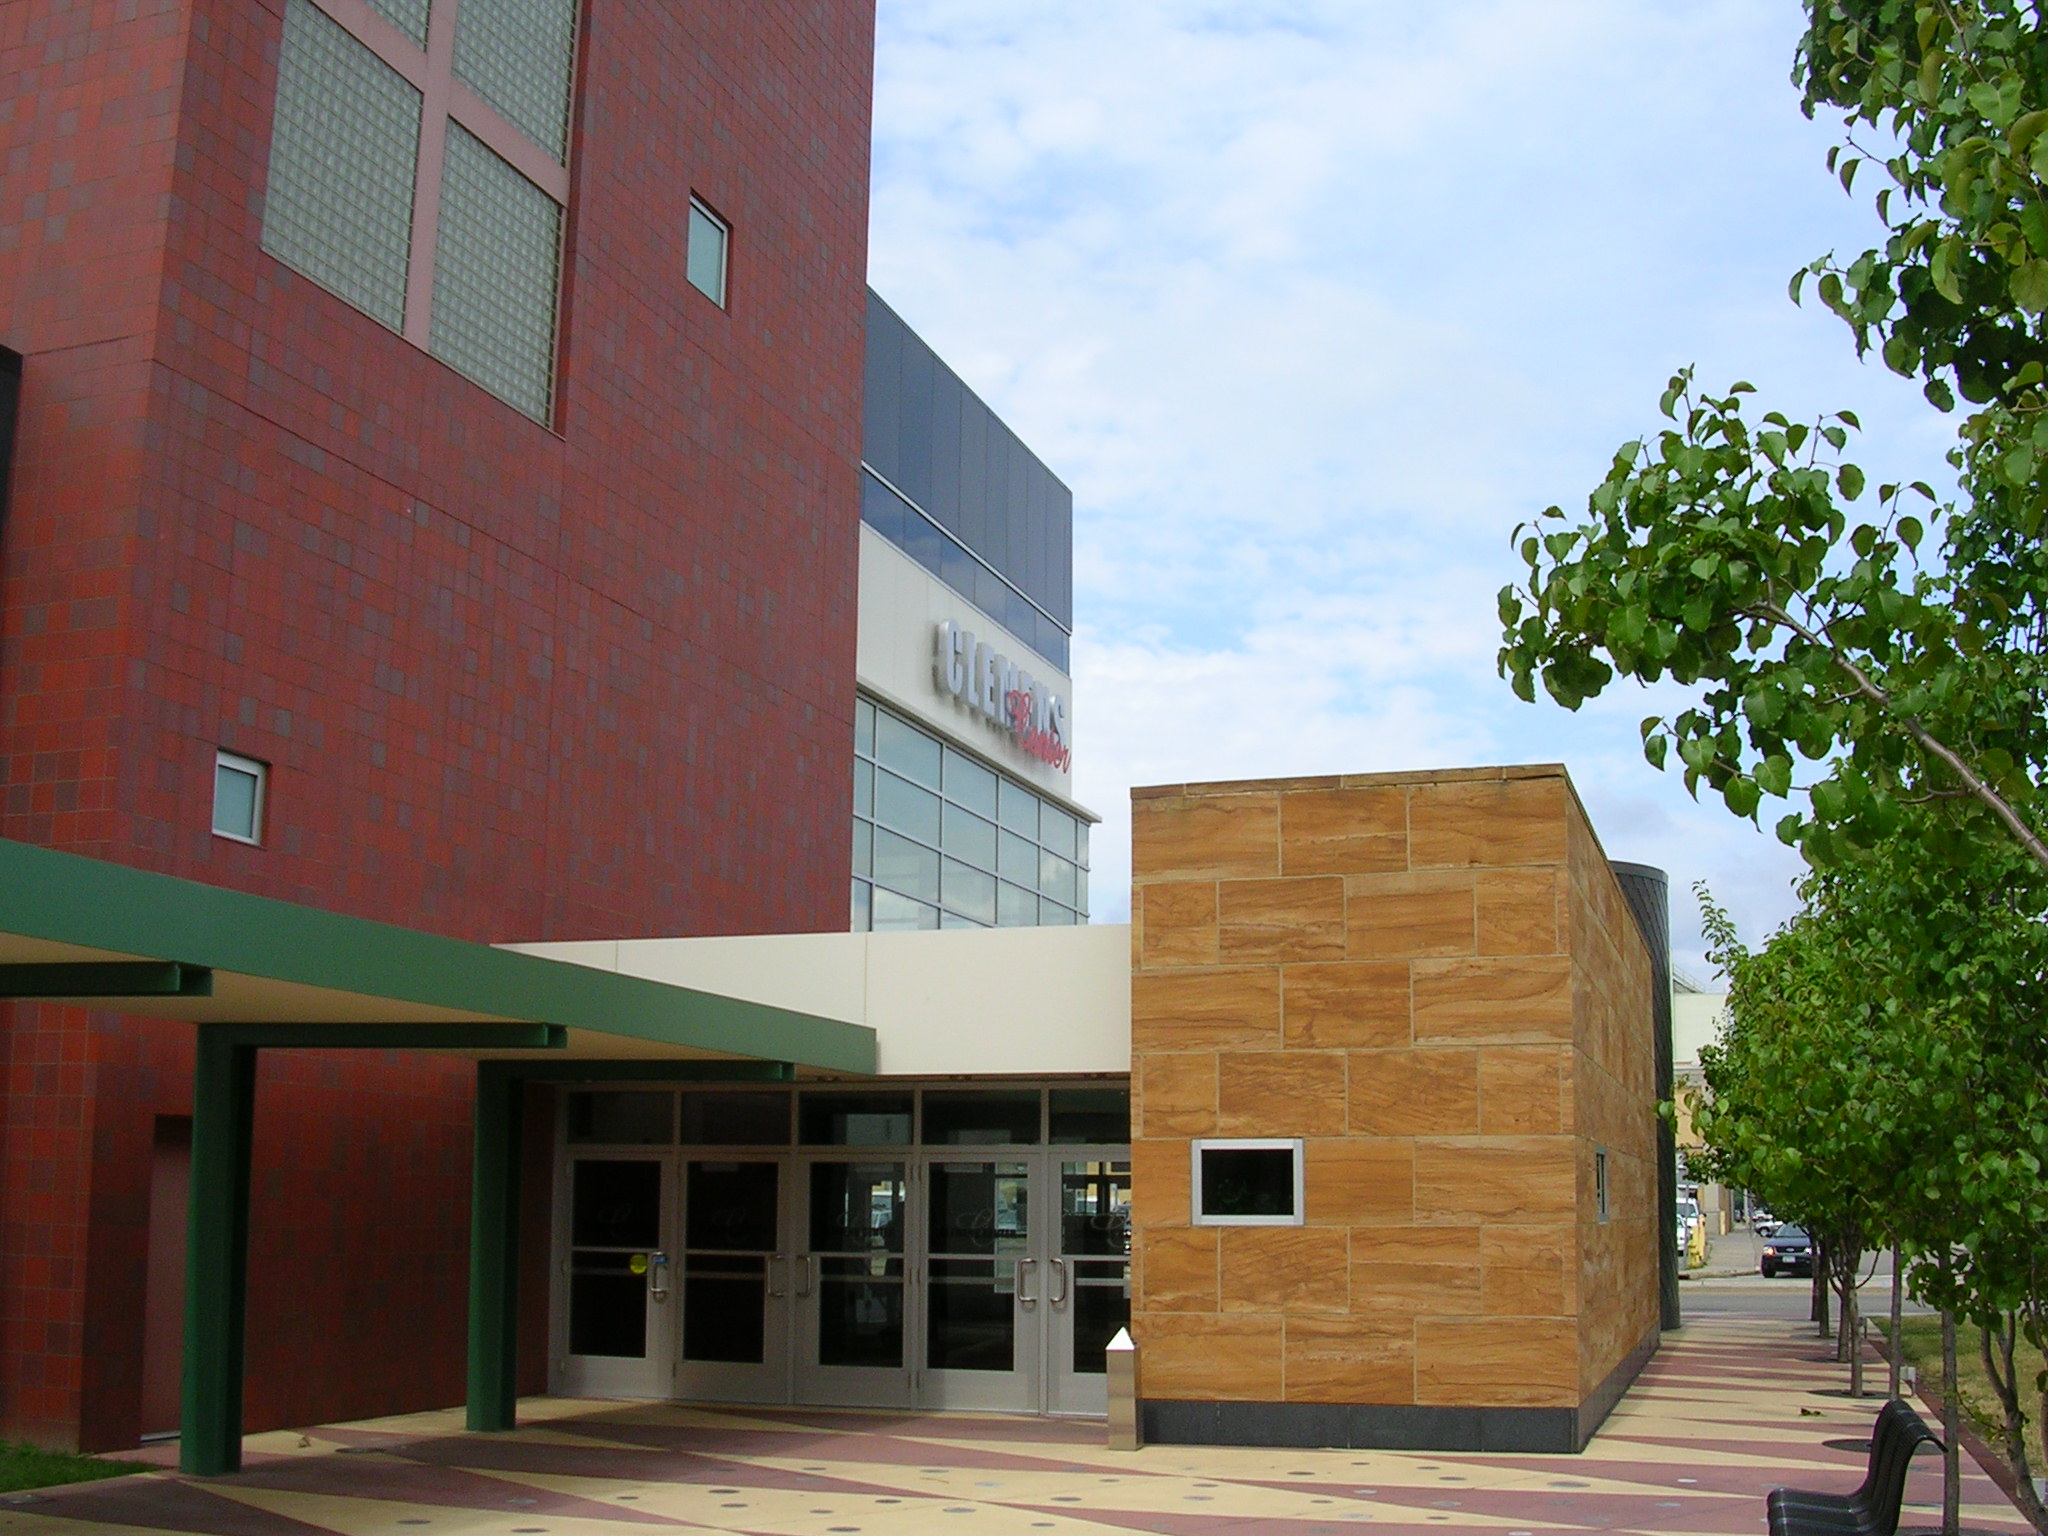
[(998, 1001)]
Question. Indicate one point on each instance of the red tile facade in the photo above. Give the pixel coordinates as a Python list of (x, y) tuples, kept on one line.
[(513, 682)]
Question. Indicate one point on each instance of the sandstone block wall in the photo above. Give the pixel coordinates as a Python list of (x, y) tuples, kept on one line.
[(1434, 980)]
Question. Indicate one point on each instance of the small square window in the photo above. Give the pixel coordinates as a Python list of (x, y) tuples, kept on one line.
[(1247, 1183), (709, 237), (1600, 1181), (238, 784)]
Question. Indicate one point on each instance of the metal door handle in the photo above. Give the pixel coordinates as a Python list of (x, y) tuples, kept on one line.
[(773, 1260), (807, 1277), (1059, 1273), (657, 1278), (1024, 1266)]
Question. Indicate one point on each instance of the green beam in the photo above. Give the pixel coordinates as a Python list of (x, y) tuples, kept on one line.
[(106, 978), (398, 1037), (217, 1255), (67, 899), (494, 1252), (583, 1070)]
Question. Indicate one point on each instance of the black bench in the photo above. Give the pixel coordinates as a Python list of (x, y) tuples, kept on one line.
[(1873, 1509)]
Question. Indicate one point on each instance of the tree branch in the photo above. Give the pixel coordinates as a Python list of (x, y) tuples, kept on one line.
[(1979, 790)]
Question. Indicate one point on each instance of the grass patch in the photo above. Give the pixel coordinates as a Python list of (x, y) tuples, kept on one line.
[(1976, 1401), (26, 1466)]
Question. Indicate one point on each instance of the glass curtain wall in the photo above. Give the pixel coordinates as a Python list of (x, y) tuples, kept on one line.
[(942, 841)]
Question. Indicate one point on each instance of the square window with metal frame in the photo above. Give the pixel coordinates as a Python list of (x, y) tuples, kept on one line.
[(1246, 1182), (239, 786)]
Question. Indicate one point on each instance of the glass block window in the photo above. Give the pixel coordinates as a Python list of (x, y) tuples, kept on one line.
[(941, 840), (473, 275), (495, 276), (409, 16), (518, 55), (343, 157)]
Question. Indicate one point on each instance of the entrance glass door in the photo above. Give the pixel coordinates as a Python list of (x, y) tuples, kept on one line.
[(1088, 1289), (735, 1282), (619, 1325), (982, 1343), (850, 1286)]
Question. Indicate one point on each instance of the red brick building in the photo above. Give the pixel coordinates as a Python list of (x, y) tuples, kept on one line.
[(454, 411)]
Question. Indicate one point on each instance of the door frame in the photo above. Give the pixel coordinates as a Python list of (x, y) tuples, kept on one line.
[(712, 1381), (652, 1377)]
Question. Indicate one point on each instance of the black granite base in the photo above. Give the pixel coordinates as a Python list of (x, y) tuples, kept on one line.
[(1390, 1427)]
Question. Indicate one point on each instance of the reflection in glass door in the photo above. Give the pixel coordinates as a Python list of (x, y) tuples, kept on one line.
[(735, 1283), (981, 1334), (1088, 1289), (619, 1329), (850, 1286)]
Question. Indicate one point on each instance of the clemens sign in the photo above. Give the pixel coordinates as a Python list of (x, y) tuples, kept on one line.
[(1009, 698)]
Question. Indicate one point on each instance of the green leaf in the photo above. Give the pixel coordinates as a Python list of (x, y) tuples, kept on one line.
[(1942, 270), (2029, 286), (1850, 480), (1909, 531)]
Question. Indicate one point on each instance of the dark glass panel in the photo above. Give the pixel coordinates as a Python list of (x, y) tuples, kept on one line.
[(607, 1306), (880, 425), (981, 1117), (914, 437), (883, 510), (731, 1206), (860, 1322), (857, 1208), (970, 1325), (740, 1119), (621, 1119), (1102, 1304), (854, 1119), (724, 1310), (1247, 1181), (1090, 1116), (978, 1208), (615, 1205), (1095, 1208)]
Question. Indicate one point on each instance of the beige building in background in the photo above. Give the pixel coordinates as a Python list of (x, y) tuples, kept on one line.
[(1433, 983)]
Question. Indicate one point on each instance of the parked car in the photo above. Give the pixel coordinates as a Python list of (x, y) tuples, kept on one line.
[(1788, 1251), (1763, 1223)]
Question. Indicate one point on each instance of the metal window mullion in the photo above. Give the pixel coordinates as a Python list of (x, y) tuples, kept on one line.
[(426, 192)]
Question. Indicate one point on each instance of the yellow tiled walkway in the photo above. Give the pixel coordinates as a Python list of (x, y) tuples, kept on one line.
[(1730, 1408)]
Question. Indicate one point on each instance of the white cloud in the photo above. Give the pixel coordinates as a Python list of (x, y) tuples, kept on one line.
[(1311, 301)]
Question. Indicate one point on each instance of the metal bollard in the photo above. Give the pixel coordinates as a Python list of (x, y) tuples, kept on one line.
[(1126, 1432)]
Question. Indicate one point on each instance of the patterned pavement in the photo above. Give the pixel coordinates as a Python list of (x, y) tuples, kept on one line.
[(1732, 1407)]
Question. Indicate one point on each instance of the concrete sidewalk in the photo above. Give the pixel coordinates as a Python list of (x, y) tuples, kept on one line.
[(1729, 1409)]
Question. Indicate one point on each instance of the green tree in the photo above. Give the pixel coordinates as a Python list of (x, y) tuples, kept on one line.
[(1892, 640), (1754, 561), (1781, 1116), (1882, 1076)]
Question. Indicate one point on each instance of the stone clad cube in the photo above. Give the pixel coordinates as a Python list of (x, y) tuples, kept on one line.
[(1434, 983)]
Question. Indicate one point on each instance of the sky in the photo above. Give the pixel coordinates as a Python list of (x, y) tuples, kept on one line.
[(1311, 302)]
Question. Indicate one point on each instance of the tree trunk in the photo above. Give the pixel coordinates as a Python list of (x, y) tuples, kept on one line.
[(1898, 1350), (1997, 1346), (1852, 1322), (1820, 1287), (1951, 1432)]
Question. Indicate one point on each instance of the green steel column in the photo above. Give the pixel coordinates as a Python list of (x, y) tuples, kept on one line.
[(494, 1251), (217, 1255)]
